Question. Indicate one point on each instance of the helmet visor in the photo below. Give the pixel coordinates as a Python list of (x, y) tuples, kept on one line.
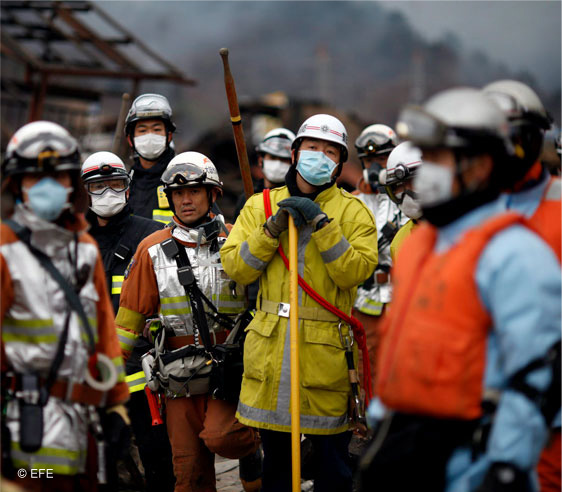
[(184, 175), (279, 146), (421, 128)]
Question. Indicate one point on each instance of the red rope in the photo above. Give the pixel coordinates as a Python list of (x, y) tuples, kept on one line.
[(356, 326)]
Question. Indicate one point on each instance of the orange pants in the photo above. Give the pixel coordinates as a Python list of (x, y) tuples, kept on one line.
[(371, 325), (198, 427), (549, 465)]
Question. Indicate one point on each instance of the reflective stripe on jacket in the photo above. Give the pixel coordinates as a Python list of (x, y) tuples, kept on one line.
[(433, 348), (371, 298), (333, 260), (33, 315), (151, 286)]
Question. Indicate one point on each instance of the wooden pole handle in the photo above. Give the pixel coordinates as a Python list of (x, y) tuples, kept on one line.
[(236, 121)]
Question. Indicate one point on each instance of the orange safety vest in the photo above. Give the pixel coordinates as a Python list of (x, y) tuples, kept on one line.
[(433, 349), (546, 219)]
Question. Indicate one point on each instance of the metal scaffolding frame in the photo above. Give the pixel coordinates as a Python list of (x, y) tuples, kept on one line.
[(51, 40)]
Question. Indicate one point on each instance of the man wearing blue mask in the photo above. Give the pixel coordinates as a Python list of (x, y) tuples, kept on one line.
[(57, 322), (337, 247)]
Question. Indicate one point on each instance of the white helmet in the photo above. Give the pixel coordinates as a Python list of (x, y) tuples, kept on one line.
[(323, 127), (402, 165), (103, 165), (277, 142), (460, 118), (376, 139), (190, 169), (41, 146), (518, 102), (403, 162), (149, 107)]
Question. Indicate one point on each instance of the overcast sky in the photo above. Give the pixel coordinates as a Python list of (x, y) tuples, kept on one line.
[(522, 34)]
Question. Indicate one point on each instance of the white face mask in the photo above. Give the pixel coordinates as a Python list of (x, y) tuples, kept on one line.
[(275, 170), (109, 203), (150, 146), (410, 207), (433, 184)]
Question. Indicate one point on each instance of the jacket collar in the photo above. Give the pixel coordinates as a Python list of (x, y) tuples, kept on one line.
[(50, 236)]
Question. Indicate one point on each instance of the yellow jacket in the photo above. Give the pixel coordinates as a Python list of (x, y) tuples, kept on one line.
[(402, 234), (333, 260)]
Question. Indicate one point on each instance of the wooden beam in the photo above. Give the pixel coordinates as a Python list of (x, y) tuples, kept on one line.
[(106, 48)]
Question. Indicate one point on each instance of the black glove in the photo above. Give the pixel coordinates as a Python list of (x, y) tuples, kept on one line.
[(117, 435), (304, 211), (505, 477), (277, 223)]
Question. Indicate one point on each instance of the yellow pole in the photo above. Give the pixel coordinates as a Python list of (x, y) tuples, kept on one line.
[(294, 334)]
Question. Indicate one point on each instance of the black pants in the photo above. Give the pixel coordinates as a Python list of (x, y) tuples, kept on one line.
[(331, 467), (153, 444), (413, 454)]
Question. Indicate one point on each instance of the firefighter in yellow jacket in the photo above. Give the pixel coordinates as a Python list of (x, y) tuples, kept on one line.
[(337, 250)]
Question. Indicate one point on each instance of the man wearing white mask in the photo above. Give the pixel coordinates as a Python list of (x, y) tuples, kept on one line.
[(469, 359), (118, 233), (403, 164), (274, 159), (149, 128)]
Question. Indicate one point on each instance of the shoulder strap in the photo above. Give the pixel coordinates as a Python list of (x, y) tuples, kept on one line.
[(73, 300), (175, 250), (357, 327)]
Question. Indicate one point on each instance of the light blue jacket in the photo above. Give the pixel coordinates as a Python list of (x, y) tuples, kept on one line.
[(518, 279)]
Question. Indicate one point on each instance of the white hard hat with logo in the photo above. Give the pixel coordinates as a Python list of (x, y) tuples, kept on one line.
[(323, 127)]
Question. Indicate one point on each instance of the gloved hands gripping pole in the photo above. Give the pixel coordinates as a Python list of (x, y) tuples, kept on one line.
[(303, 210)]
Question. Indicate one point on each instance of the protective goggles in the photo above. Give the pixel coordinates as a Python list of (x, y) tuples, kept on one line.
[(373, 143), (99, 187), (422, 128), (278, 145), (402, 172), (183, 175), (152, 105)]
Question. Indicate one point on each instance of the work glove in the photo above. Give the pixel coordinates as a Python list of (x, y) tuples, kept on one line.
[(277, 223), (304, 211), (117, 431), (505, 477)]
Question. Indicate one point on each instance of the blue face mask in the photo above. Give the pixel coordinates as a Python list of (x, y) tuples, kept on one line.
[(315, 167), (47, 198)]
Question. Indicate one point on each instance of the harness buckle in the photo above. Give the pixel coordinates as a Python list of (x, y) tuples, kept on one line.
[(283, 309)]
